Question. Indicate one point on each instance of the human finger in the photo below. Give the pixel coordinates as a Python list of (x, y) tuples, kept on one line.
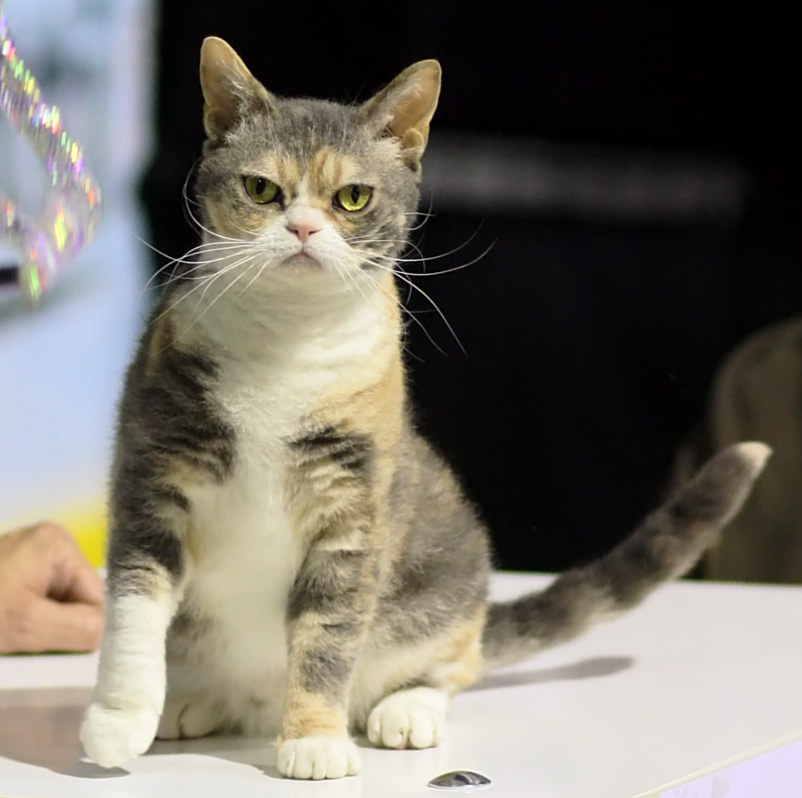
[(58, 626), (71, 577), (80, 581)]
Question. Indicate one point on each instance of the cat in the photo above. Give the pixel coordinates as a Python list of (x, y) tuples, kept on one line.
[(287, 556)]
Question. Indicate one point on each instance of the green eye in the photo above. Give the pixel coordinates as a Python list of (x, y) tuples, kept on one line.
[(353, 198), (260, 189)]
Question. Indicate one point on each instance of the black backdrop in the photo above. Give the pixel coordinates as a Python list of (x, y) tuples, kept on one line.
[(590, 340)]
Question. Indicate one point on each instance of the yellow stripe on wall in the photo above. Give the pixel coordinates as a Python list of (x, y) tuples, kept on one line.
[(88, 526)]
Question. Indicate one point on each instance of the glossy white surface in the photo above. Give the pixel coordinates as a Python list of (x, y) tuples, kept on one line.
[(774, 769), (697, 675)]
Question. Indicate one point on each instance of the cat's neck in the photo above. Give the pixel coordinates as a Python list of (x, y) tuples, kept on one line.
[(300, 317)]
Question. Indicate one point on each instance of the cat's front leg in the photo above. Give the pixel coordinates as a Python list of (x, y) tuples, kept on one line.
[(121, 720), (143, 591), (328, 612)]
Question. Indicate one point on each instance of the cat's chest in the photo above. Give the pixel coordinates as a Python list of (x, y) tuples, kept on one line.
[(240, 525), (269, 396), (265, 403), (245, 547)]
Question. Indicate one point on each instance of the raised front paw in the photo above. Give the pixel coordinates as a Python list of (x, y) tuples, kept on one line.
[(113, 737), (412, 718), (318, 758)]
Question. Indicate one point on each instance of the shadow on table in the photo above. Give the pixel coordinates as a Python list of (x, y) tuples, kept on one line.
[(39, 727), (255, 752), (586, 669)]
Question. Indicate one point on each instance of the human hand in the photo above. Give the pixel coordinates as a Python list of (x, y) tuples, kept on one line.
[(51, 599)]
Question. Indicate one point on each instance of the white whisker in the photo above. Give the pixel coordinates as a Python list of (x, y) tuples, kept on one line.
[(226, 288), (187, 260), (436, 308), (403, 277), (204, 283), (258, 274), (440, 272)]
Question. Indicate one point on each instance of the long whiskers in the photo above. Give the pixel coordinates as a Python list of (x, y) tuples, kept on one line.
[(361, 243), (424, 217), (206, 282), (388, 266), (213, 243), (192, 258), (250, 260), (437, 273), (400, 267), (413, 286), (253, 279)]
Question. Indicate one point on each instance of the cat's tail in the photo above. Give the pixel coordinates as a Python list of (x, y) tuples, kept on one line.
[(667, 544)]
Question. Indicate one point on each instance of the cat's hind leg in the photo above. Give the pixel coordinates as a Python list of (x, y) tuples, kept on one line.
[(413, 717), (413, 714), (187, 715)]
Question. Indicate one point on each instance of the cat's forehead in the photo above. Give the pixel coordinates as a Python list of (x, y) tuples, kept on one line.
[(321, 170), (320, 142), (304, 128)]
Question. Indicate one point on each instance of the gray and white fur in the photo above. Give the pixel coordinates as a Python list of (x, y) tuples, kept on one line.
[(288, 557)]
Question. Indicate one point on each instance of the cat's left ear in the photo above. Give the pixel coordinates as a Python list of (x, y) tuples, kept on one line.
[(405, 107), (230, 91)]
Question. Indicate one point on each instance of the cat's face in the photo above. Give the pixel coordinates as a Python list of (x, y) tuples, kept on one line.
[(310, 187)]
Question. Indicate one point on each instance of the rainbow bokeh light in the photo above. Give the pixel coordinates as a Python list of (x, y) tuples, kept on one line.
[(70, 218)]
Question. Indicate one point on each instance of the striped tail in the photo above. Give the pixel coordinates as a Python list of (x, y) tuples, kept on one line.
[(666, 545)]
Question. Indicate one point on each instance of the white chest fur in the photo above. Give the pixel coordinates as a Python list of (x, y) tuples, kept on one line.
[(246, 554)]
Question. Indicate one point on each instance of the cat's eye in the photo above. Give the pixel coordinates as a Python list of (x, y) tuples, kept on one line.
[(353, 198), (260, 189)]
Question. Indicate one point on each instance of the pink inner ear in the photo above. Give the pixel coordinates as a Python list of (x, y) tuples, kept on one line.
[(411, 116), (410, 102)]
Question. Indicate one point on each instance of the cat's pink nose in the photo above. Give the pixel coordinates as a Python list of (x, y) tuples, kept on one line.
[(304, 229)]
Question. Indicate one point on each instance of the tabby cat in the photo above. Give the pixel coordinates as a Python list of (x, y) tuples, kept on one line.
[(287, 556)]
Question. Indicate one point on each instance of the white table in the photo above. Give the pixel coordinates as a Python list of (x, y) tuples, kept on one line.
[(699, 673)]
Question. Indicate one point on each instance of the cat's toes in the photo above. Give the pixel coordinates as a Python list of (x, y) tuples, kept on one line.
[(187, 718), (318, 758), (414, 718), (113, 737)]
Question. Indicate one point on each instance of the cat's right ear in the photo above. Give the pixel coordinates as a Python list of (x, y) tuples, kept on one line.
[(404, 108), (230, 91)]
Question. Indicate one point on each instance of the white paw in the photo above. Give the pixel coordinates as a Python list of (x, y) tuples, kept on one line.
[(113, 737), (413, 718), (318, 758), (186, 717)]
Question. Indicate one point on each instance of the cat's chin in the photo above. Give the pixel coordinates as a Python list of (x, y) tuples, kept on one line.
[(301, 262)]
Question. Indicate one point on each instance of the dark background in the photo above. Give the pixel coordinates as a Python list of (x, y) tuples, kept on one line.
[(591, 337)]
